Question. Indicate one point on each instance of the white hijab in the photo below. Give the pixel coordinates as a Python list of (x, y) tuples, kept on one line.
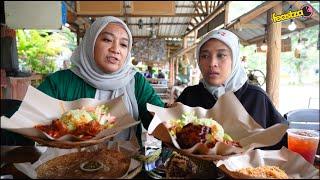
[(238, 76), (108, 86)]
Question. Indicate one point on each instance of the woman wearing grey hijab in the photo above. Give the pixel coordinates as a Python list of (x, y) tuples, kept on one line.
[(220, 65), (102, 70)]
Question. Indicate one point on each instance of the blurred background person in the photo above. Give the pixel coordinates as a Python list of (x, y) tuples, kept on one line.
[(160, 74)]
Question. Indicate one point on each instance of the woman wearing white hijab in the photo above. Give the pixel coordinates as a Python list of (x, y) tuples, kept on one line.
[(102, 70), (220, 66)]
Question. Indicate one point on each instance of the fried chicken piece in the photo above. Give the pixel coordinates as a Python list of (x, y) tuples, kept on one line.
[(192, 134), (180, 166)]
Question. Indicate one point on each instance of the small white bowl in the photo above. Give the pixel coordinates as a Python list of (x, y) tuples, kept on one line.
[(98, 165)]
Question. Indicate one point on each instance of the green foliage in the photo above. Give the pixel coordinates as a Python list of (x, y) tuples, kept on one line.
[(71, 40), (37, 49), (303, 67), (299, 70), (255, 60)]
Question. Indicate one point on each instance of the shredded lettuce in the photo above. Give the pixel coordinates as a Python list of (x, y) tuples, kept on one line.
[(79, 116)]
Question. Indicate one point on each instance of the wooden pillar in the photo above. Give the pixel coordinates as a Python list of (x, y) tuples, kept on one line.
[(171, 72), (226, 14), (184, 57), (273, 55), (176, 67)]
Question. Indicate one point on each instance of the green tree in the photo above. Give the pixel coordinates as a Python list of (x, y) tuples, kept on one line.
[(38, 49), (70, 38), (309, 54), (300, 69)]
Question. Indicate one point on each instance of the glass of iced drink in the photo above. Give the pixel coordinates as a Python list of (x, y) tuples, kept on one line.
[(305, 142)]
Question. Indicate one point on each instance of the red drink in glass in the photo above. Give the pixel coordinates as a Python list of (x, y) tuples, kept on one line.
[(304, 142)]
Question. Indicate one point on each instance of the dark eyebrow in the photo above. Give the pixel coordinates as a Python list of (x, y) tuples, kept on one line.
[(204, 51), (223, 50), (111, 34)]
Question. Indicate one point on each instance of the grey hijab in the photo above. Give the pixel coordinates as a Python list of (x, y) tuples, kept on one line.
[(238, 76), (109, 86)]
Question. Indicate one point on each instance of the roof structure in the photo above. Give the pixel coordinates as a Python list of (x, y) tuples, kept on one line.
[(251, 27), (172, 22)]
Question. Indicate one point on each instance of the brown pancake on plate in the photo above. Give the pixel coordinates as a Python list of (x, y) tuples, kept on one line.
[(115, 165)]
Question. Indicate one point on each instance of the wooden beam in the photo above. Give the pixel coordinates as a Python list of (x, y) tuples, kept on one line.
[(196, 9), (273, 56), (226, 15), (132, 15), (255, 39), (192, 25), (153, 7), (219, 9), (215, 5), (184, 50), (201, 7), (185, 42), (195, 18), (125, 13), (259, 10), (207, 7)]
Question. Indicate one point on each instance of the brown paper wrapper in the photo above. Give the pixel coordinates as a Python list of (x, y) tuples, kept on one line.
[(55, 154), (229, 112), (39, 108), (295, 166)]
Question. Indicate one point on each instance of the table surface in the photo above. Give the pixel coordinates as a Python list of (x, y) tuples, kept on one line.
[(20, 154)]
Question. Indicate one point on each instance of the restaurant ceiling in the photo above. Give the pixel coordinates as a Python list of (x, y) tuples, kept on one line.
[(161, 19)]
